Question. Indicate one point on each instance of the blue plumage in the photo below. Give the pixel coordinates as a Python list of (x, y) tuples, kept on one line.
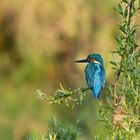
[(95, 73)]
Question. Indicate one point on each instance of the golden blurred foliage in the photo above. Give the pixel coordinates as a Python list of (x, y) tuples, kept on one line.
[(39, 42)]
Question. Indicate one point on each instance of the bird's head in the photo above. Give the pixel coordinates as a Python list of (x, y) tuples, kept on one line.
[(92, 58)]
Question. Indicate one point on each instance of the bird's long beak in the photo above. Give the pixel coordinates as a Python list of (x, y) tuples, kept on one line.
[(82, 61)]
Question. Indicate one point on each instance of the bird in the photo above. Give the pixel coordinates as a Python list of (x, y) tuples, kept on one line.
[(94, 73)]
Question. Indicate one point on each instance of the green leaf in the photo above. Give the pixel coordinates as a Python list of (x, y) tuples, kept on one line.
[(126, 12), (122, 28), (132, 12), (113, 63), (133, 31), (125, 1), (130, 91), (119, 40), (114, 52), (119, 9), (114, 68)]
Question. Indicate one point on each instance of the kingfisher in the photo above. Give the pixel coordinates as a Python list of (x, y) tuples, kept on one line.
[(94, 73)]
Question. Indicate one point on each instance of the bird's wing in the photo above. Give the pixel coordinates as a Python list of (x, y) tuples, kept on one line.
[(89, 73), (95, 79), (103, 75)]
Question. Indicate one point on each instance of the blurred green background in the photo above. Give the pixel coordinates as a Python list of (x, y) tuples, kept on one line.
[(39, 41)]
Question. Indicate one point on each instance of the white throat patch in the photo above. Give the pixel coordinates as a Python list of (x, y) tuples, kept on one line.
[(97, 62)]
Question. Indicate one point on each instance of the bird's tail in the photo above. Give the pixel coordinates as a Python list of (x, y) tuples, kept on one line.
[(96, 94)]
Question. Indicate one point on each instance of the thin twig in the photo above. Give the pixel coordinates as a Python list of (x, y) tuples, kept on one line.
[(62, 95)]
